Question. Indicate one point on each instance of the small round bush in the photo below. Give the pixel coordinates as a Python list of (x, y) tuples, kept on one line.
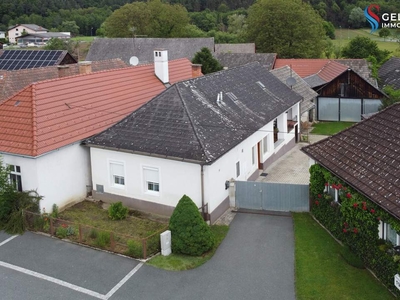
[(189, 233), (117, 211)]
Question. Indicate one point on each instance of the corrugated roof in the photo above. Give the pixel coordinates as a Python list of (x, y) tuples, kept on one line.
[(51, 114), (367, 157), (235, 48), (300, 87), (125, 48), (187, 122), (12, 82), (230, 60)]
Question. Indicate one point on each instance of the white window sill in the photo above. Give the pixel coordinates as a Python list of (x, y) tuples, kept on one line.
[(118, 186), (152, 193)]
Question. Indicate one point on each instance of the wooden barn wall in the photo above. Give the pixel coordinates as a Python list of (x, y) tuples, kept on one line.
[(357, 87)]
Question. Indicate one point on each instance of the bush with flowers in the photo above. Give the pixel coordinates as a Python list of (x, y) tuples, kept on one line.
[(354, 220)]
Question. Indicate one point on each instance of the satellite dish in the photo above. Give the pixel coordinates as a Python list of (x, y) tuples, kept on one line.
[(291, 81), (134, 61)]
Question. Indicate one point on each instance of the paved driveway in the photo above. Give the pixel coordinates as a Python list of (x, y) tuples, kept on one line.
[(255, 261)]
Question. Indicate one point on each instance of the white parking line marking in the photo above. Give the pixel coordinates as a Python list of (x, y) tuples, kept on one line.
[(54, 280), (125, 279), (7, 240)]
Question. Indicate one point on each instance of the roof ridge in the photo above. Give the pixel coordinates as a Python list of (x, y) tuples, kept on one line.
[(34, 122), (191, 123)]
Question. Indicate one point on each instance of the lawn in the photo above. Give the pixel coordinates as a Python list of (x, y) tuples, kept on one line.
[(178, 262), (92, 214), (83, 38), (343, 36), (330, 128), (321, 273)]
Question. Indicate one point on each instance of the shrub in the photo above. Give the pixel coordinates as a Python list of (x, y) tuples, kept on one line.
[(93, 234), (103, 239), (134, 248), (117, 211), (190, 234), (351, 258), (62, 232), (54, 214)]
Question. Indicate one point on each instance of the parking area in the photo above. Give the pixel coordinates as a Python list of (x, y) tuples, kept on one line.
[(255, 261)]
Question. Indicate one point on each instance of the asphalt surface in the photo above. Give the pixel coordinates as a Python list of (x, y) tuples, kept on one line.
[(255, 261)]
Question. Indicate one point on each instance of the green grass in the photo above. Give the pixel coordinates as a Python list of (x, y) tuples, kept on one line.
[(178, 262), (343, 36), (83, 38), (321, 273), (330, 128), (92, 214)]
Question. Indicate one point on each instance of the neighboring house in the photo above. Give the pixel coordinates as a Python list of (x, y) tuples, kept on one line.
[(125, 48), (28, 59), (230, 60), (11, 82), (17, 30), (40, 39), (235, 48), (366, 157), (298, 85), (192, 138), (389, 73), (345, 93), (2, 34), (42, 126)]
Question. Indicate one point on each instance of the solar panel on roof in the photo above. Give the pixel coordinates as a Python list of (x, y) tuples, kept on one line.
[(27, 59)]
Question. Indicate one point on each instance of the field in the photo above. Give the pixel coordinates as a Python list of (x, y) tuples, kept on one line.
[(343, 36)]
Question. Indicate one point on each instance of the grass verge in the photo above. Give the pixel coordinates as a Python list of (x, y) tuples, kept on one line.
[(330, 128), (92, 214), (321, 272), (178, 262)]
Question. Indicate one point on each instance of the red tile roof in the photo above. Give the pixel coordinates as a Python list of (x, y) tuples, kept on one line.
[(12, 82), (51, 114), (303, 67), (331, 70)]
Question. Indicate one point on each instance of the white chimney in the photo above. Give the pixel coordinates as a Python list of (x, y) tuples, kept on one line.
[(161, 65)]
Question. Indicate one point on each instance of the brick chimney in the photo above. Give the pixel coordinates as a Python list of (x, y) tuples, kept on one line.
[(85, 67), (196, 70), (161, 65), (63, 71)]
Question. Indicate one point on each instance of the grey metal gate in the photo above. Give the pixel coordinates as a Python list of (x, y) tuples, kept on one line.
[(272, 196)]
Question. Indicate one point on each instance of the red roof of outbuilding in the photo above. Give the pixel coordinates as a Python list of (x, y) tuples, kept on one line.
[(51, 114), (303, 67)]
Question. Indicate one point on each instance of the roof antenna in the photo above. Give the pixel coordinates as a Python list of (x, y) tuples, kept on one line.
[(291, 81)]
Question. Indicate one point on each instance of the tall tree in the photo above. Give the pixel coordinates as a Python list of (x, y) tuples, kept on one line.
[(290, 28), (208, 63), (153, 19), (357, 18), (364, 47)]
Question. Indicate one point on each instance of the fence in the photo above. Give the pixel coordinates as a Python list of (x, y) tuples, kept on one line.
[(272, 196), (95, 237)]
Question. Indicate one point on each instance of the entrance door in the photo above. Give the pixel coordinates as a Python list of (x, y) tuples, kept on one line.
[(296, 133), (259, 156)]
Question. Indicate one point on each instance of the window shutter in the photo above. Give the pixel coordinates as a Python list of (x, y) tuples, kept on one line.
[(151, 174), (117, 169)]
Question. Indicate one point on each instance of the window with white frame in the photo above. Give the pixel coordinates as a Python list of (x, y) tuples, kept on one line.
[(117, 172), (151, 179), (238, 169), (390, 234), (15, 176), (265, 144), (253, 155)]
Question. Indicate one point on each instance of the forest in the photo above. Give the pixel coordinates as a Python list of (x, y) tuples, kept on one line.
[(205, 14)]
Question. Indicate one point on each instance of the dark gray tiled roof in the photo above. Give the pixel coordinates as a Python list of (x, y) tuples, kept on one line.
[(187, 123), (367, 157), (125, 48), (230, 60), (235, 48), (314, 80), (389, 73), (300, 87), (361, 67)]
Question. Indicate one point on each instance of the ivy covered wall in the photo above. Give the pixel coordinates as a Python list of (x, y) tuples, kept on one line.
[(354, 220)]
